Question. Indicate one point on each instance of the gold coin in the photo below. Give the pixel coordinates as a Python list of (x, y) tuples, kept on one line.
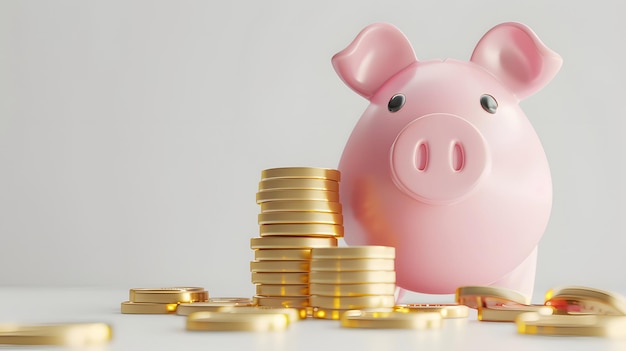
[(282, 301), (446, 310), (224, 321), (580, 325), (297, 194), (352, 302), (330, 313), (508, 313), (279, 266), (213, 305), (301, 206), (282, 242), (579, 299), (298, 183), (369, 264), (282, 290), (303, 229), (354, 252), (71, 335), (148, 308), (352, 277), (327, 313), (282, 254), (293, 314), (300, 217), (168, 295), (301, 172), (395, 320), (280, 278), (352, 289), (232, 301), (474, 296)]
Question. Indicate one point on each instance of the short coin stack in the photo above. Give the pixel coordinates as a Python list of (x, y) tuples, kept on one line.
[(161, 300), (352, 278), (300, 210)]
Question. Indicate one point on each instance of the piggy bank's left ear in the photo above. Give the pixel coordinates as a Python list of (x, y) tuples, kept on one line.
[(378, 52), (513, 53)]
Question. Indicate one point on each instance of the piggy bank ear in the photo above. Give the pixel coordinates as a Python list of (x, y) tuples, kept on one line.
[(513, 53), (376, 54)]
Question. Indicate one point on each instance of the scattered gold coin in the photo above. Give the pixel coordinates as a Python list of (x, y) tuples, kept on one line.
[(72, 335), (580, 299), (213, 305), (224, 321), (293, 314), (390, 320), (446, 310), (474, 296), (572, 325), (168, 295), (129, 307), (508, 313)]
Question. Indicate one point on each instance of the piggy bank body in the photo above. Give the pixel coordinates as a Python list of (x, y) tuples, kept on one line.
[(443, 164)]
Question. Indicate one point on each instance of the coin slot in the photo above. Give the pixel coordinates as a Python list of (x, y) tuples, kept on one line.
[(458, 157), (421, 156)]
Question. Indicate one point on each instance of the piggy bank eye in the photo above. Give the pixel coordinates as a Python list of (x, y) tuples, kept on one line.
[(396, 102), (488, 103)]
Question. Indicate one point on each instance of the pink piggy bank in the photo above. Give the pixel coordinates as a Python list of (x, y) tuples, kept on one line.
[(444, 165)]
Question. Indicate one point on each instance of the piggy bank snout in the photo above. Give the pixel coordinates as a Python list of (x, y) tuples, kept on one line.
[(439, 159)]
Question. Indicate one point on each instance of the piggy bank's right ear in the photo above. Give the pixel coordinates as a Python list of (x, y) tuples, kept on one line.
[(513, 53), (375, 55)]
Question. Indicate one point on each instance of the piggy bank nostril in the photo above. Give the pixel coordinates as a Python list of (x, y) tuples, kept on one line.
[(421, 157), (457, 157)]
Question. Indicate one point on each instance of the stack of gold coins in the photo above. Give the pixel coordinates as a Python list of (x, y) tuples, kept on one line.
[(300, 201), (350, 278), (300, 210), (281, 287), (161, 300)]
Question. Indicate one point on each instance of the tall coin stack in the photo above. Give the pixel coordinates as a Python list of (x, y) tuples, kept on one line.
[(300, 210), (347, 278)]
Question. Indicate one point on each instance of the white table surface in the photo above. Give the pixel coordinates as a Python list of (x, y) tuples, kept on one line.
[(167, 332)]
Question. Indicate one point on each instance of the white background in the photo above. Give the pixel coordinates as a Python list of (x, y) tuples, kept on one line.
[(133, 133)]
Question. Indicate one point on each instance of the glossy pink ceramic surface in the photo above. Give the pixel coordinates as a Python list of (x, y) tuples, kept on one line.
[(463, 193)]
